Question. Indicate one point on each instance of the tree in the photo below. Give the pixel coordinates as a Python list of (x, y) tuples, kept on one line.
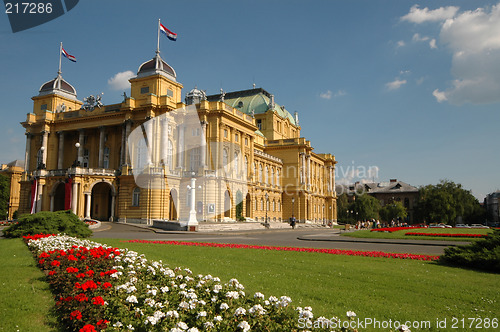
[(342, 207), (392, 211), (366, 207), (445, 202), (4, 196)]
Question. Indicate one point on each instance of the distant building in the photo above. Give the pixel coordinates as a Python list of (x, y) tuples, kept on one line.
[(491, 202), (13, 171), (386, 193)]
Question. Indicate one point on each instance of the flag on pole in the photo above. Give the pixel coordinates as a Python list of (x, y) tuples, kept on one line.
[(67, 55), (170, 35)]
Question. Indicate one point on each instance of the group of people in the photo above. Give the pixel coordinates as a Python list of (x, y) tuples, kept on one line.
[(370, 224)]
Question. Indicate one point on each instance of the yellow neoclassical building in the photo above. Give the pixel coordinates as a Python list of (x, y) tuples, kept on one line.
[(135, 161)]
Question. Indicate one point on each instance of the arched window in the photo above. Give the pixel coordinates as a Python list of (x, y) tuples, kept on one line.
[(262, 204), (236, 163), (225, 159), (194, 158), (266, 176), (245, 171), (279, 206), (278, 182), (274, 205), (105, 162), (256, 204), (170, 152), (260, 173), (272, 176), (136, 194), (141, 156)]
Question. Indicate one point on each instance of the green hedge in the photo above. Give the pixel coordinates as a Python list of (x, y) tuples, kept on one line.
[(49, 223), (482, 254)]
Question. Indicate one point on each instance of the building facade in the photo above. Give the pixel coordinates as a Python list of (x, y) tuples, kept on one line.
[(14, 171), (134, 161)]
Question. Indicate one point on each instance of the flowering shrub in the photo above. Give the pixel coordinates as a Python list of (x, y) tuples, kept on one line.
[(394, 229), (447, 234), (103, 288), (324, 251)]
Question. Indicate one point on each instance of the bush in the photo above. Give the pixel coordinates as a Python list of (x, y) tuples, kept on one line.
[(482, 254), (46, 222)]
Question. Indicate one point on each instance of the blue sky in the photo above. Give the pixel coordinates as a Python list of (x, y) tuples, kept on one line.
[(408, 88)]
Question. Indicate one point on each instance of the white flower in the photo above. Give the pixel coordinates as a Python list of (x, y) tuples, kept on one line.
[(232, 295), (244, 326), (164, 289), (350, 314), (257, 310), (218, 318), (193, 329), (258, 295), (404, 328), (118, 324), (172, 314), (201, 314), (182, 325), (224, 306), (132, 299), (208, 325), (240, 312), (184, 305), (130, 327)]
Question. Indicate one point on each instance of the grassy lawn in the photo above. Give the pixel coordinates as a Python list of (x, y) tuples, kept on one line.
[(25, 296), (367, 234), (372, 287), (376, 288)]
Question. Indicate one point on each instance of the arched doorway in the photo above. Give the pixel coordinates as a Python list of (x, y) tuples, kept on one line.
[(172, 210), (248, 205), (59, 197), (100, 208), (227, 204)]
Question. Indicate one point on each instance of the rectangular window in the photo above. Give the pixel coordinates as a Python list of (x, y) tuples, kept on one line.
[(170, 93), (43, 107), (236, 138), (259, 124), (145, 90), (225, 133), (246, 141)]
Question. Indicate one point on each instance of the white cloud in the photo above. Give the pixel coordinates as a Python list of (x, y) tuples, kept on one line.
[(396, 84), (329, 94), (417, 15), (432, 43), (120, 80), (474, 39), (440, 96), (400, 43), (420, 80), (418, 38)]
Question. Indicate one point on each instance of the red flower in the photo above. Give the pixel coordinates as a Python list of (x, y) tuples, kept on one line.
[(106, 285), (51, 273), (97, 300), (88, 328), (81, 297), (71, 270), (55, 263), (75, 315)]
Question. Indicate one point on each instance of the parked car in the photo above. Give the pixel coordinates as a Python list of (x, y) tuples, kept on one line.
[(478, 226), (440, 225), (462, 226)]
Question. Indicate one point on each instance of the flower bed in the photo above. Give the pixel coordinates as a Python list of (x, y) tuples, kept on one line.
[(8, 223), (447, 235), (324, 251), (103, 288), (394, 229)]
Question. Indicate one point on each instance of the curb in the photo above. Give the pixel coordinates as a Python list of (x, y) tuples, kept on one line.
[(403, 242)]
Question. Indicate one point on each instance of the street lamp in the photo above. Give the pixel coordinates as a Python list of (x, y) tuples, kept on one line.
[(77, 161), (293, 201)]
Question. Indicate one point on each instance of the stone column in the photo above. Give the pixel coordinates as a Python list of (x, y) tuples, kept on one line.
[(80, 148), (74, 197), (164, 140), (302, 168), (27, 155), (101, 147), (180, 146), (88, 202), (149, 140), (122, 150), (51, 203), (128, 125), (60, 153), (113, 197), (44, 145), (203, 143), (308, 177), (40, 196)]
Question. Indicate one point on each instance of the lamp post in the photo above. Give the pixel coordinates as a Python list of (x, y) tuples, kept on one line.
[(77, 161), (192, 222), (293, 201)]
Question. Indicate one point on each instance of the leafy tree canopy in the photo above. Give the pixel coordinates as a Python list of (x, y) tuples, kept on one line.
[(4, 195)]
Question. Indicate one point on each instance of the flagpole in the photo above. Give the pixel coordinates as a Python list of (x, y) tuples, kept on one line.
[(60, 52), (158, 40)]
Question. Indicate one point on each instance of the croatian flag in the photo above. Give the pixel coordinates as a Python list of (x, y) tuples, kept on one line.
[(67, 55), (170, 35)]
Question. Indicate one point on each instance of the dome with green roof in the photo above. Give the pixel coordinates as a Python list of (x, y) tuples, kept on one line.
[(254, 101)]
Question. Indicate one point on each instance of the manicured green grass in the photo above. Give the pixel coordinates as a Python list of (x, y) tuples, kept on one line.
[(377, 288), (367, 234), (25, 296)]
